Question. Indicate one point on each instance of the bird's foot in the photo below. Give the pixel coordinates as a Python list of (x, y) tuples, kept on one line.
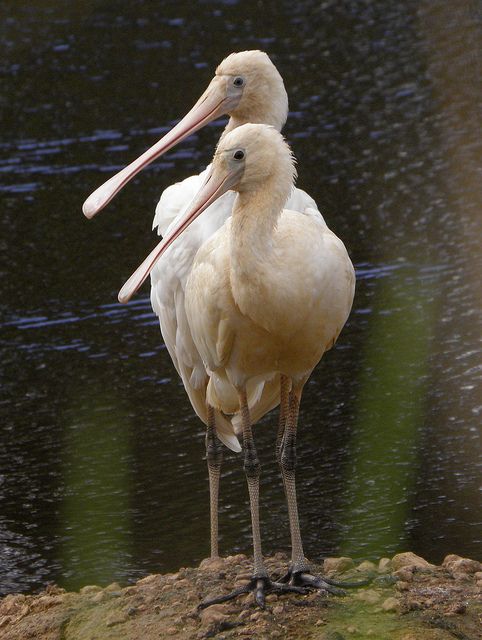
[(302, 577), (260, 586)]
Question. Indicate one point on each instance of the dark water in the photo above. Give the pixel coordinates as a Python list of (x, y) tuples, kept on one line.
[(101, 470)]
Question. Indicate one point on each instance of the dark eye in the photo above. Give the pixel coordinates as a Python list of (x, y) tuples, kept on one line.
[(238, 82), (238, 155)]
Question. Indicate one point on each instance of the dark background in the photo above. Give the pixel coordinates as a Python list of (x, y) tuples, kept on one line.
[(101, 470)]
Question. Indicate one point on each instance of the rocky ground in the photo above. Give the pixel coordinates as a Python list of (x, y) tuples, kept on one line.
[(407, 599)]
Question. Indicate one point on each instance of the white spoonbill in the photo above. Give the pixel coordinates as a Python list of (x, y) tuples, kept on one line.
[(248, 87), (267, 295)]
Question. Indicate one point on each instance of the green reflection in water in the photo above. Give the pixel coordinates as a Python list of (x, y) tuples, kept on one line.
[(96, 474), (391, 407)]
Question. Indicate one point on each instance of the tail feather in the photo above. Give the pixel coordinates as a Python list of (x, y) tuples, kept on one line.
[(261, 404), (225, 432)]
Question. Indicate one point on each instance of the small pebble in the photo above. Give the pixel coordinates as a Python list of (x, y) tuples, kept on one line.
[(244, 576), (384, 565), (409, 559), (183, 583), (390, 604), (457, 608), (256, 616), (90, 588), (172, 577), (116, 618), (368, 595), (366, 567), (214, 615), (99, 597), (147, 579), (461, 576), (457, 564), (405, 574), (45, 602), (239, 557), (240, 583), (337, 565), (212, 564)]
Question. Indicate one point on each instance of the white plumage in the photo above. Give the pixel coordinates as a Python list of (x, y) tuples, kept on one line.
[(259, 302), (168, 284), (247, 303)]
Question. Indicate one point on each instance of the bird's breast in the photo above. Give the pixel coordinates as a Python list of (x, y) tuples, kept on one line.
[(277, 313)]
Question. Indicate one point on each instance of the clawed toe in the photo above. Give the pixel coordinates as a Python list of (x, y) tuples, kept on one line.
[(315, 582), (260, 587), (299, 581), (303, 578)]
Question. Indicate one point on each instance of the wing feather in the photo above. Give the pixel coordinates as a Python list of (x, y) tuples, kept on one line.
[(168, 280)]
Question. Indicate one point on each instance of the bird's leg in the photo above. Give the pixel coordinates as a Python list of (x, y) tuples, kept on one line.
[(287, 460), (260, 584), (285, 385), (252, 471), (299, 572), (214, 456)]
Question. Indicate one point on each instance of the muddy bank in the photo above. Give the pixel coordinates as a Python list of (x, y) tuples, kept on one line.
[(407, 599)]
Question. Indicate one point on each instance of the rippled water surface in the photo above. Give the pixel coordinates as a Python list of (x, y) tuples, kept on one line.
[(101, 460)]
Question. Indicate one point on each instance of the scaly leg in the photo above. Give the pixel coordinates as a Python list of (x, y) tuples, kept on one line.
[(287, 461), (285, 386), (214, 457), (260, 584), (299, 572), (252, 471)]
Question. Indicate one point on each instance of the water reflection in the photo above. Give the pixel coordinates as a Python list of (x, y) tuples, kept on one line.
[(101, 471), (94, 516), (385, 443)]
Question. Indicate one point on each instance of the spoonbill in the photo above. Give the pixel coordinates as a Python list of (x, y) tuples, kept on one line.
[(249, 88), (267, 294)]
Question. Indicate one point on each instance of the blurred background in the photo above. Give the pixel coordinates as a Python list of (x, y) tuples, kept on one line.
[(102, 474)]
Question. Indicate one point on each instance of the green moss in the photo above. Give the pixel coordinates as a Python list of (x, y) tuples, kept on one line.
[(351, 618)]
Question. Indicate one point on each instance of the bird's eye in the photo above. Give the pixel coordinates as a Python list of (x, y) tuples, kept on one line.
[(238, 155), (238, 82)]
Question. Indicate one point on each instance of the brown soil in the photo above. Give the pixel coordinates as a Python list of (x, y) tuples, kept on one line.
[(407, 599)]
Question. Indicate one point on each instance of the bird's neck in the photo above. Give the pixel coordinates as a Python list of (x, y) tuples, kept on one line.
[(253, 228), (255, 214), (237, 120), (233, 122)]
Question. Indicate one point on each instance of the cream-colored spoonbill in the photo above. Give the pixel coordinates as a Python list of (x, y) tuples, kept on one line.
[(248, 87), (267, 295)]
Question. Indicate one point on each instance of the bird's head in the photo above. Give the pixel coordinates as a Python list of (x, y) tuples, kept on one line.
[(248, 157), (247, 86), (251, 155), (260, 91)]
